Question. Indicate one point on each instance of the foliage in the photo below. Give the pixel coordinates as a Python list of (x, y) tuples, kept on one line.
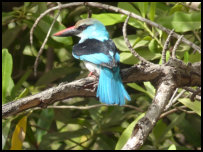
[(102, 127)]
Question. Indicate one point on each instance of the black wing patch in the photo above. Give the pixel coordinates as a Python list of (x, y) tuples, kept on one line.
[(92, 46)]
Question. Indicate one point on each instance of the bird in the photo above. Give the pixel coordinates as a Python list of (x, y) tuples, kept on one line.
[(101, 58)]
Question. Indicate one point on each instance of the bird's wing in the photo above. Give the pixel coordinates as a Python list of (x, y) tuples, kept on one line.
[(97, 52)]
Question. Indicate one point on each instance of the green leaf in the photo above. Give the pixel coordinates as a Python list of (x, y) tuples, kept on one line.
[(194, 57), (191, 129), (5, 130), (44, 121), (153, 46), (7, 82), (24, 93), (157, 132), (54, 74), (6, 16), (129, 7), (176, 7), (20, 82), (152, 10), (127, 133), (42, 28), (7, 39), (186, 57), (150, 88), (174, 123), (51, 138), (195, 106), (107, 18), (139, 88), (128, 58), (120, 43), (143, 6), (182, 22), (172, 147)]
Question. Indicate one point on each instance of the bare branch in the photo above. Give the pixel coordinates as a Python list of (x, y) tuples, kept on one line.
[(175, 47), (145, 124), (90, 107), (128, 42), (136, 73), (166, 47), (194, 92), (45, 40), (49, 96), (118, 10), (133, 15), (173, 100), (47, 12), (180, 108)]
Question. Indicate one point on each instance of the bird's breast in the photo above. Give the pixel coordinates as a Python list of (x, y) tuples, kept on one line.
[(92, 67)]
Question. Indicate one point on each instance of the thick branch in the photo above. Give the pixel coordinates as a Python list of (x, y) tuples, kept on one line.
[(185, 75), (145, 125), (49, 96)]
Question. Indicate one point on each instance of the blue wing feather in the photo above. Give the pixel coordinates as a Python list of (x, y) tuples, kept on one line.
[(97, 58)]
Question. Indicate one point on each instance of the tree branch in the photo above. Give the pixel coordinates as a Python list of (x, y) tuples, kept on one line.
[(84, 87), (145, 125), (45, 40), (128, 43), (114, 9), (166, 47), (166, 78)]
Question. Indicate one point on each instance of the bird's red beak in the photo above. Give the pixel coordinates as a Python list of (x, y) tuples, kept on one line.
[(67, 32)]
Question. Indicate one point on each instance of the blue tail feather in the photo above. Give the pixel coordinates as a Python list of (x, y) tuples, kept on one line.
[(110, 89)]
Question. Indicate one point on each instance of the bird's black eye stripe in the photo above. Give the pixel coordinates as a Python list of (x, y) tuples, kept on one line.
[(82, 27)]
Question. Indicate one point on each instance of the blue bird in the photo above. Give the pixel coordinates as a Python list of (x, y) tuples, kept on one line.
[(100, 57)]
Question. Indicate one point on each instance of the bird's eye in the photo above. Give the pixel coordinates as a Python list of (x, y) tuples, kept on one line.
[(82, 27)]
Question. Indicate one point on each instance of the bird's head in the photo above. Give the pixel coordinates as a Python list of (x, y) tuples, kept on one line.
[(86, 29)]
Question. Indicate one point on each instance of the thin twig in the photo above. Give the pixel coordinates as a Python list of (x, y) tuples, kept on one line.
[(190, 7), (47, 12), (118, 10), (176, 46), (171, 100), (181, 108), (128, 42), (45, 40), (90, 107), (178, 96), (195, 93), (89, 11), (168, 113), (166, 47)]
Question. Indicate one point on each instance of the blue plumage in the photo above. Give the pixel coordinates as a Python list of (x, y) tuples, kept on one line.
[(110, 89), (100, 56), (96, 58)]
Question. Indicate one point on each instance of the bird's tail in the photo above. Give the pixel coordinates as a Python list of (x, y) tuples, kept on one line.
[(110, 89)]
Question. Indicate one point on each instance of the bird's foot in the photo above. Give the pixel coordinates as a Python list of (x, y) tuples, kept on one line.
[(92, 86), (92, 74)]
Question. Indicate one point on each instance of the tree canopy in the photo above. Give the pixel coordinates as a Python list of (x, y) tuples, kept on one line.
[(162, 40)]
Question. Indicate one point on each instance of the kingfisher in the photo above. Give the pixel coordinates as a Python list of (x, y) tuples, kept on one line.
[(101, 58)]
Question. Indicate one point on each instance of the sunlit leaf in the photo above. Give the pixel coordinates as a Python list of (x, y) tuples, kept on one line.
[(195, 106), (127, 133), (19, 134), (7, 66), (182, 22), (172, 147)]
